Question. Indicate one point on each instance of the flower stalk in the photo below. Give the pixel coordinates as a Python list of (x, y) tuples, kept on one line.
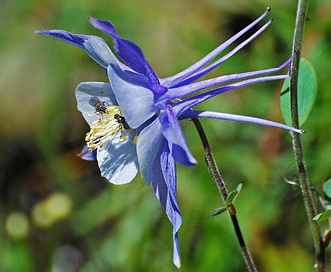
[(296, 138), (210, 160)]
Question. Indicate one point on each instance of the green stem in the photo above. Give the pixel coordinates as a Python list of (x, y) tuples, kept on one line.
[(222, 189), (296, 138)]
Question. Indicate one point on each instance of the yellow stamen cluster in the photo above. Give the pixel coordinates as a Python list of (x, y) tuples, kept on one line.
[(105, 128)]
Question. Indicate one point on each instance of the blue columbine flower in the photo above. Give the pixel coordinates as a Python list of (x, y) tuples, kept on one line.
[(134, 118)]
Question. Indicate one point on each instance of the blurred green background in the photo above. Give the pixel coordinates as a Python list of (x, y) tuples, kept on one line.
[(58, 214)]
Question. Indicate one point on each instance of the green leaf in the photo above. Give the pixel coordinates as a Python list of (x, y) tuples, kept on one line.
[(239, 188), (233, 195), (327, 192), (230, 200), (307, 91), (323, 216), (220, 210)]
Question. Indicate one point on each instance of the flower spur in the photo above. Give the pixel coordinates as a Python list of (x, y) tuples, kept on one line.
[(152, 108)]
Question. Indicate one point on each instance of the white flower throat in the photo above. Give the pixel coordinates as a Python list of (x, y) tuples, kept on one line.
[(110, 123)]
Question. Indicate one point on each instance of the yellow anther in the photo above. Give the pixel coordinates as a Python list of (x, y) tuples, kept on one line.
[(135, 139), (106, 127)]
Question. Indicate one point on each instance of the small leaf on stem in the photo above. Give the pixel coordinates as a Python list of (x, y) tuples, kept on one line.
[(219, 211), (327, 192), (323, 216), (307, 91), (233, 195)]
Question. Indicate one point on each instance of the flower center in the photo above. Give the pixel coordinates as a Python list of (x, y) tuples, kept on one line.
[(110, 123)]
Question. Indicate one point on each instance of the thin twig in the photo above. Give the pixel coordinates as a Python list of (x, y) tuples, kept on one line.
[(222, 189), (296, 138)]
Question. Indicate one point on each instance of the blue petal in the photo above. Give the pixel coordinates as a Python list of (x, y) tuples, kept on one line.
[(165, 187), (193, 72), (75, 39), (130, 53), (179, 92), (135, 99), (189, 103), (237, 118), (158, 166), (212, 66), (118, 160), (88, 155), (174, 135), (149, 144), (86, 90), (151, 139), (100, 52)]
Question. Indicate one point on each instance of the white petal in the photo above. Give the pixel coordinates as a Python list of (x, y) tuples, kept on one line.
[(118, 160), (85, 91)]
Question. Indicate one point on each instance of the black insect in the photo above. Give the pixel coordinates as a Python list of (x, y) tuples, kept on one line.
[(100, 106), (121, 120)]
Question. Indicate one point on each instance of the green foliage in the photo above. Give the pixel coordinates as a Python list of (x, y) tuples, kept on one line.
[(323, 216), (327, 192), (307, 92), (327, 202), (229, 201), (219, 211), (233, 195)]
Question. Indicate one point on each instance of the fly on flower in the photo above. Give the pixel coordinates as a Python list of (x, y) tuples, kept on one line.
[(109, 124), (121, 120), (152, 108), (100, 106)]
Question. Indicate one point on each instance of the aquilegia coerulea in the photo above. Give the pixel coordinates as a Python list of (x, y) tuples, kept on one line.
[(134, 118)]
